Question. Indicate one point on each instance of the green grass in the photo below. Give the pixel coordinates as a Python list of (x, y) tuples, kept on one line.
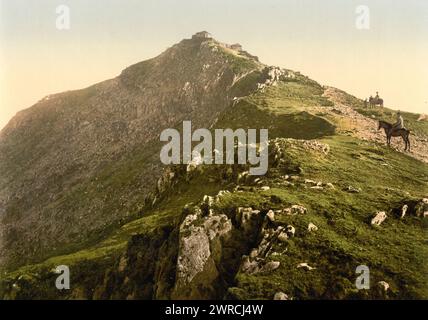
[(35, 278), (395, 252), (283, 110), (239, 64)]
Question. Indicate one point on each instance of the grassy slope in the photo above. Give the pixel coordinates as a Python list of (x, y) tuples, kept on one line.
[(410, 119), (395, 252), (102, 256), (281, 109), (126, 174), (387, 114)]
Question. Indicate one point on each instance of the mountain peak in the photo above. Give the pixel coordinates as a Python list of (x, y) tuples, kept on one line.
[(70, 138), (202, 35), (235, 48)]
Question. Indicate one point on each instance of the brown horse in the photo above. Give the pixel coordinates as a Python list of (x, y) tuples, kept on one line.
[(389, 132)]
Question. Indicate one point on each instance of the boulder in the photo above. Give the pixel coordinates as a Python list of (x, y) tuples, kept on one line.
[(257, 265), (378, 218), (249, 266), (248, 219), (312, 227), (283, 237), (195, 162), (221, 193), (352, 189), (256, 261), (254, 253), (404, 210), (270, 266), (421, 208), (383, 286), (306, 266), (271, 215), (295, 209), (422, 117), (290, 231), (309, 181), (280, 296), (329, 185)]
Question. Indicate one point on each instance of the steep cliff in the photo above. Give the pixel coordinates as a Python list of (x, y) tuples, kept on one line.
[(78, 163)]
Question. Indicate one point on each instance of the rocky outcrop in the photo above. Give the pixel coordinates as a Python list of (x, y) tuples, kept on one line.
[(415, 208), (258, 260), (279, 147), (312, 227), (248, 219), (352, 189), (280, 296), (197, 256), (404, 211), (421, 208), (305, 266), (210, 245), (295, 209), (378, 218), (272, 75)]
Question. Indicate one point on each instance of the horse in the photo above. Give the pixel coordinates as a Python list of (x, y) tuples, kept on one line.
[(373, 102), (389, 132)]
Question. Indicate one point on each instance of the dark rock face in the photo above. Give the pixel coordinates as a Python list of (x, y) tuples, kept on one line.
[(78, 162)]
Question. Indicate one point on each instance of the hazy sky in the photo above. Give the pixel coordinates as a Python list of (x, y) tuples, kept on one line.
[(318, 38)]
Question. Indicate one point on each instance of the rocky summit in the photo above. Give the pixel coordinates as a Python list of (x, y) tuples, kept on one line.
[(82, 185)]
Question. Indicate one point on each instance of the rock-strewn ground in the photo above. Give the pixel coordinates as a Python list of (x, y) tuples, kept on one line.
[(365, 128)]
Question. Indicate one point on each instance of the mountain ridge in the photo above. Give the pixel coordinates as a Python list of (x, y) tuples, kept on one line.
[(318, 160), (77, 132)]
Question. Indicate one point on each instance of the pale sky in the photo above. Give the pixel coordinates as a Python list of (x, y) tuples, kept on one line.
[(317, 38)]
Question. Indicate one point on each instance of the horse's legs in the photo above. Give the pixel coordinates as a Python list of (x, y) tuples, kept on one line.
[(405, 142)]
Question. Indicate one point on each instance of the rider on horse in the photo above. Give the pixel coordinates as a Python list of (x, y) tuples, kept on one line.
[(377, 96), (399, 124), (396, 130)]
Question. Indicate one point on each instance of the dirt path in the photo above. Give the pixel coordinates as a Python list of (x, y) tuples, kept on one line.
[(365, 128)]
